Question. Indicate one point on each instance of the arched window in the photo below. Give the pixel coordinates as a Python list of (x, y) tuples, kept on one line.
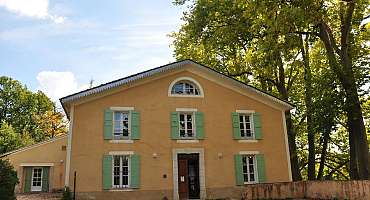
[(185, 86)]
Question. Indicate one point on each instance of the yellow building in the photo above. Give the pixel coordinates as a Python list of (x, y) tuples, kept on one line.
[(181, 131)]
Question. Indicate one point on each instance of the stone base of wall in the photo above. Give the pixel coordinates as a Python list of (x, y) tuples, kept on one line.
[(118, 195), (212, 193)]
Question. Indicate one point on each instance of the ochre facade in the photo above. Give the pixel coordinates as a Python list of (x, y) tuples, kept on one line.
[(50, 153), (150, 97)]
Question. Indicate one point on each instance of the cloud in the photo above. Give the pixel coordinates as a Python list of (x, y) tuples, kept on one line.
[(36, 9), (58, 84)]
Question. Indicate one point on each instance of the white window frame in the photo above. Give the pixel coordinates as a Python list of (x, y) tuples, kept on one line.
[(36, 188), (120, 186), (254, 167), (192, 113), (251, 126), (188, 79), (123, 110)]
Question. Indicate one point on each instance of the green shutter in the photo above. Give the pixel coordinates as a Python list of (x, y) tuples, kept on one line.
[(107, 172), (135, 125), (236, 125), (238, 169), (27, 179), (257, 126), (261, 168), (108, 124), (135, 171), (175, 125), (45, 179), (199, 122)]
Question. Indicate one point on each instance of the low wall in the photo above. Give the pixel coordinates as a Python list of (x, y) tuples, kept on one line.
[(310, 190)]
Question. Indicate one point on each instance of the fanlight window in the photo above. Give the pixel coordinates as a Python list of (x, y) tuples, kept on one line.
[(185, 88)]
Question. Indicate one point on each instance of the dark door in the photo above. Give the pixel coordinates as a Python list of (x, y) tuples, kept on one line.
[(188, 176), (183, 181)]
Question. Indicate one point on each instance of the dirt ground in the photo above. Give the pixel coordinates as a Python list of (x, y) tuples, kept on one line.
[(48, 196)]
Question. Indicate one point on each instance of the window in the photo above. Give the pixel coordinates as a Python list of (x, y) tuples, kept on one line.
[(249, 168), (36, 179), (246, 129), (186, 125), (121, 171), (185, 88), (121, 124)]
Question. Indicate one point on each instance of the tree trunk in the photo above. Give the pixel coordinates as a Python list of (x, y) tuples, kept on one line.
[(308, 102), (325, 141)]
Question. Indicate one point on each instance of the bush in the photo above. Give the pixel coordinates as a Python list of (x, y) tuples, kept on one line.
[(8, 180), (67, 194)]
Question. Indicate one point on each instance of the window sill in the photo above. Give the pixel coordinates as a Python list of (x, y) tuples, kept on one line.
[(187, 141), (247, 141), (121, 141), (250, 183), (121, 190), (183, 95)]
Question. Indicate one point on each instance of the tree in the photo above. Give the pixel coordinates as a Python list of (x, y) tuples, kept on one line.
[(8, 180), (27, 116)]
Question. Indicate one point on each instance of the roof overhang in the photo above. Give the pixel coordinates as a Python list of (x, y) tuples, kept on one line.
[(65, 101)]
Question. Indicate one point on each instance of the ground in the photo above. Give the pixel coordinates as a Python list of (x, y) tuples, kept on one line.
[(48, 196)]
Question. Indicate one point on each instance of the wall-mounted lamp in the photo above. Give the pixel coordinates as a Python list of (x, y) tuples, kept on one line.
[(155, 155), (219, 155)]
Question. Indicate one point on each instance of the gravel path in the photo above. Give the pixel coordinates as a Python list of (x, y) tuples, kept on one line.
[(45, 196)]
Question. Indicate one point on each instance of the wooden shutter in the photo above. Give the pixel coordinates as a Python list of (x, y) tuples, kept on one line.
[(45, 179), (135, 125), (135, 171), (27, 179), (236, 125), (199, 123), (261, 168), (239, 178), (175, 125), (107, 172), (257, 126), (108, 124)]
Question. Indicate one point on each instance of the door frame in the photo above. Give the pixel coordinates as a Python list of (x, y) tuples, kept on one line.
[(202, 183)]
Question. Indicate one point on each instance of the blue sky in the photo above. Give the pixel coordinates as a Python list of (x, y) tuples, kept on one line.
[(58, 46)]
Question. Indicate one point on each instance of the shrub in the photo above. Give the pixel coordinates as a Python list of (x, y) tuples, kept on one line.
[(8, 180), (67, 194)]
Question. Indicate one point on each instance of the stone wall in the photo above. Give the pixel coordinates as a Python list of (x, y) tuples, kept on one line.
[(309, 189)]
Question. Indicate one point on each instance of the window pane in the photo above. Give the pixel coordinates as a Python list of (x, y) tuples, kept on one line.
[(178, 88), (241, 118), (124, 180), (189, 117), (182, 117), (182, 133), (247, 118), (251, 177), (117, 116)]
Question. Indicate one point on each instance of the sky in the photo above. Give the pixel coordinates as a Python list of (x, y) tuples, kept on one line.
[(58, 46)]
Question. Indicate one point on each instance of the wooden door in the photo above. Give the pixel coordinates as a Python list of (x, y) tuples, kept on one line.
[(183, 179)]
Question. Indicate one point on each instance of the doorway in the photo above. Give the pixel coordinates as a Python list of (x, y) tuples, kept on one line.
[(188, 175)]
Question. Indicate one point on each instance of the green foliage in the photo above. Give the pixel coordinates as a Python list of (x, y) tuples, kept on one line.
[(10, 140), (67, 194), (260, 43), (8, 180), (26, 117)]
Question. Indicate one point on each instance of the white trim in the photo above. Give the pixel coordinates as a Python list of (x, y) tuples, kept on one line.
[(247, 141), (187, 141), (69, 148), (119, 153), (287, 146), (202, 179), (121, 141), (34, 145), (36, 164), (121, 190), (186, 78), (245, 111), (186, 110), (122, 108), (249, 152)]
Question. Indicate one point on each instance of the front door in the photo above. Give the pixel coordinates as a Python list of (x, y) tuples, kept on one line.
[(36, 181), (188, 179)]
